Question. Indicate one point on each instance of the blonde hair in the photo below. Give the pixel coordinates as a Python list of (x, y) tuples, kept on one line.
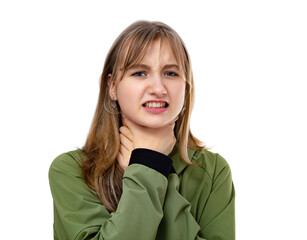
[(100, 168)]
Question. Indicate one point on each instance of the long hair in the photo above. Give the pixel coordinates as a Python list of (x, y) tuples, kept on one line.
[(100, 168)]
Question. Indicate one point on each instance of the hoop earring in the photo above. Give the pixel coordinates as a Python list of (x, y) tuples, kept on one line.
[(113, 106)]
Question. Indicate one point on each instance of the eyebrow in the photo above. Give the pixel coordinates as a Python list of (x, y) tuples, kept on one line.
[(171, 66), (144, 66)]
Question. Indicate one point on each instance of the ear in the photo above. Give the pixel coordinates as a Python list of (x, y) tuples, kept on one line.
[(112, 88)]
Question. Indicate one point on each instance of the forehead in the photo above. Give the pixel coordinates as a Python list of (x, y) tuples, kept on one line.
[(138, 52), (159, 50)]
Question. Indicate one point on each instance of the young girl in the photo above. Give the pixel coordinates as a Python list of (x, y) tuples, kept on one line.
[(141, 173)]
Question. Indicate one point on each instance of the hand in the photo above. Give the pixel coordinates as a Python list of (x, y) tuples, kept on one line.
[(158, 139), (126, 147)]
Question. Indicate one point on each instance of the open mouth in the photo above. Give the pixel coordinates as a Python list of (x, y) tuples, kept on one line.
[(155, 105)]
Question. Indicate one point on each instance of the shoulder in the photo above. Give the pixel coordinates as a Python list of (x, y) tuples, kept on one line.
[(212, 163), (68, 162)]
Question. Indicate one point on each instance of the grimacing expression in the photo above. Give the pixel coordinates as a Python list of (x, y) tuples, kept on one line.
[(152, 93)]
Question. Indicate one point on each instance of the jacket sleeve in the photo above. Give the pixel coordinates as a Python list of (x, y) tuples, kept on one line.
[(80, 214), (217, 220)]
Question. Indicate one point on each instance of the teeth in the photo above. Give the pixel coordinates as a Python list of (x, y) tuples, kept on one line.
[(155, 104)]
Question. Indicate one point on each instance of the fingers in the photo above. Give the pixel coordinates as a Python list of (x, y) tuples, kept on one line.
[(124, 152), (126, 142), (121, 161), (125, 149), (126, 132)]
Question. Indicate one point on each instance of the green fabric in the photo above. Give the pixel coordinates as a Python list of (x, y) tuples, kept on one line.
[(196, 203)]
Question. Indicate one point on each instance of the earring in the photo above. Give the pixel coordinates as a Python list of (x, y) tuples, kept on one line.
[(113, 103), (110, 105)]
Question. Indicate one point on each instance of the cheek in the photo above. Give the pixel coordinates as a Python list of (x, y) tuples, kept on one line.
[(178, 93), (128, 95)]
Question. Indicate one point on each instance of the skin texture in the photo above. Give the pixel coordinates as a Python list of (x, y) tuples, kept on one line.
[(156, 78)]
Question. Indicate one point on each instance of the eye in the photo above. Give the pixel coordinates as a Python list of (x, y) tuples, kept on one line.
[(139, 74), (171, 74)]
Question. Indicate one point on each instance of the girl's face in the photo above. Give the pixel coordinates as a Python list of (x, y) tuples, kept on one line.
[(152, 93)]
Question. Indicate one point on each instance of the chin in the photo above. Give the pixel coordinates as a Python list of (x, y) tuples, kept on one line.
[(153, 124), (150, 121)]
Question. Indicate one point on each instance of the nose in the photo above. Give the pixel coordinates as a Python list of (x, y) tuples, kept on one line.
[(157, 87)]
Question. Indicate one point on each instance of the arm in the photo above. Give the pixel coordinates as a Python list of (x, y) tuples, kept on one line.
[(217, 219), (79, 213)]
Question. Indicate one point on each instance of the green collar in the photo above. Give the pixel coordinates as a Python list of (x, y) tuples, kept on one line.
[(178, 163)]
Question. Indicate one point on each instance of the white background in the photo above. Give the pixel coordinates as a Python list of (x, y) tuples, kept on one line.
[(250, 67)]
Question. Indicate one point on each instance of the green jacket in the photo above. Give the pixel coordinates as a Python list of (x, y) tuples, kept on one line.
[(163, 198)]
